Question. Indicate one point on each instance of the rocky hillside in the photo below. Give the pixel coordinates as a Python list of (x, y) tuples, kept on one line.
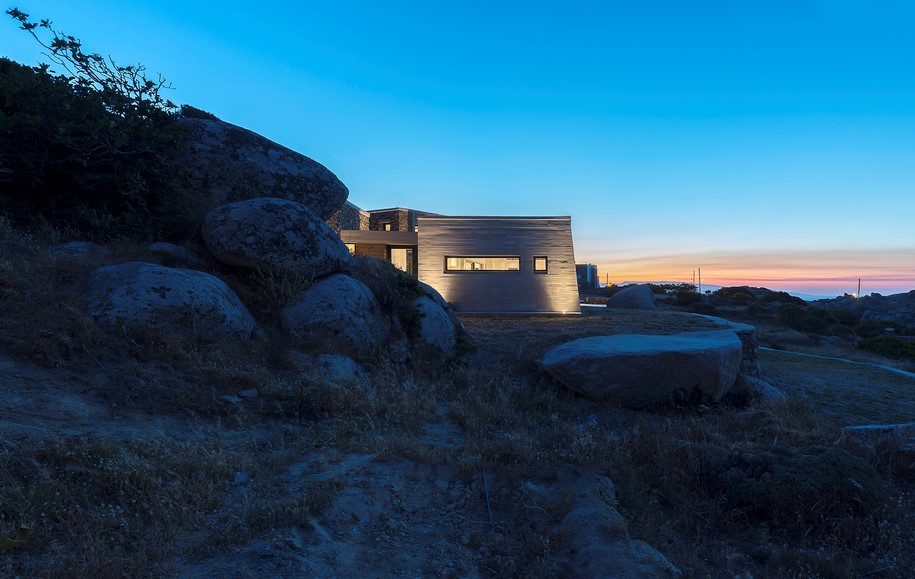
[(898, 308)]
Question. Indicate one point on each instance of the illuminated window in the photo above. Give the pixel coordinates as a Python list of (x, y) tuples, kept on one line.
[(540, 264), (351, 247), (483, 263), (386, 226)]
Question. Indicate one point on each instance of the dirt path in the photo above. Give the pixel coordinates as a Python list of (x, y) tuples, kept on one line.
[(851, 393)]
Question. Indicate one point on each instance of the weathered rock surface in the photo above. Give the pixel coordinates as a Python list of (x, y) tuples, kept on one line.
[(81, 249), (339, 311), (638, 371), (435, 332), (175, 253), (595, 536), (899, 308), (437, 298), (331, 368), (177, 300), (763, 390), (634, 297), (226, 163), (274, 233)]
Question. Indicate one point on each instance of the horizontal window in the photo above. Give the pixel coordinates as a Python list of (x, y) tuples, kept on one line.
[(483, 263)]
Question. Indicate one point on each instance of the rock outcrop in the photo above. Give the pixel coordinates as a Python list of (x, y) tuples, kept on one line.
[(633, 297), (226, 163), (329, 368), (595, 536), (437, 298), (899, 308), (435, 332), (272, 233), (338, 311), (639, 371), (146, 295)]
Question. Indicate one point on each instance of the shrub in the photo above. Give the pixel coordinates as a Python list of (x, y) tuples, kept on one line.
[(806, 318), (796, 489), (195, 113), (783, 297), (735, 295), (890, 347), (91, 151), (877, 328), (687, 296)]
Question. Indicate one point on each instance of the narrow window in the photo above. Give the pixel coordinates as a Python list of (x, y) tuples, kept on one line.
[(483, 263), (540, 264), (386, 226), (352, 248)]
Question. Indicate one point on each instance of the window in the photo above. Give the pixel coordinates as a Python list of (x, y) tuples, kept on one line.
[(540, 264), (402, 258), (386, 226), (351, 247), (483, 263)]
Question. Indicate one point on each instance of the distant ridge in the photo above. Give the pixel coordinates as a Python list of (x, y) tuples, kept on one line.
[(713, 288)]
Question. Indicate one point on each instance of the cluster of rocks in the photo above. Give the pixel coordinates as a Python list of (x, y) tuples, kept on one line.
[(899, 308), (645, 371), (273, 220)]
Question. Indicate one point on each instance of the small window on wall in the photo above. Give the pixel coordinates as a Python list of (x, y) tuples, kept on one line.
[(352, 248), (386, 226), (540, 264), (483, 263)]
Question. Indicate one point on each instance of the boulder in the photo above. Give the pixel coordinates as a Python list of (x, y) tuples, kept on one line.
[(763, 390), (331, 368), (81, 249), (437, 298), (339, 311), (225, 163), (435, 332), (594, 536), (638, 371), (192, 303), (633, 297), (176, 254), (271, 233)]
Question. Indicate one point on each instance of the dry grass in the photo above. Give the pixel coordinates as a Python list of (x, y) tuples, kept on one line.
[(103, 505)]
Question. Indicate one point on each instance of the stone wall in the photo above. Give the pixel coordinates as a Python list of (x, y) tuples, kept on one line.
[(348, 217), (398, 218)]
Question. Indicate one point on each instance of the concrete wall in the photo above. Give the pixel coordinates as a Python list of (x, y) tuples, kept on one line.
[(521, 291)]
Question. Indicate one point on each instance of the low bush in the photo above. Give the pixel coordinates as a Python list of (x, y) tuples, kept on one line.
[(890, 347), (806, 318), (91, 151), (877, 328)]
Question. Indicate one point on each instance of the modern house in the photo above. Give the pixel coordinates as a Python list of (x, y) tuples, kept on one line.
[(479, 264)]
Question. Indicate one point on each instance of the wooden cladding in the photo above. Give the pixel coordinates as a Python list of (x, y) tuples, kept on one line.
[(547, 285)]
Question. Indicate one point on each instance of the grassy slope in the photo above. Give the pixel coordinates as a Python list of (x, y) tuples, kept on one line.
[(119, 453)]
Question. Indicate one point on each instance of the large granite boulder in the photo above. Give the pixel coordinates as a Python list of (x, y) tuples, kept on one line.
[(340, 312), (633, 297), (272, 233), (435, 332), (226, 163), (639, 371), (437, 298), (331, 369), (146, 295)]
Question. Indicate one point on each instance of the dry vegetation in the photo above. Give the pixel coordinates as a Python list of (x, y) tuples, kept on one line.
[(121, 457)]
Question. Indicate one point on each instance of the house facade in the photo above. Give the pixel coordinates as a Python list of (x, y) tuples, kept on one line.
[(479, 264)]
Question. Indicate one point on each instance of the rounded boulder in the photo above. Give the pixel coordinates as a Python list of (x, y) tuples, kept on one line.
[(271, 233), (340, 312), (225, 163), (146, 295)]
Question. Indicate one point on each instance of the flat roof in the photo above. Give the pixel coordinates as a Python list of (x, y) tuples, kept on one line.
[(500, 217)]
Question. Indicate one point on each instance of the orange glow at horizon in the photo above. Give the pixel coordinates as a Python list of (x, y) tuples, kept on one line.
[(890, 271)]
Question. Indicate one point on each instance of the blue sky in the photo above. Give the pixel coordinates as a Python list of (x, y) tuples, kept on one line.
[(770, 143)]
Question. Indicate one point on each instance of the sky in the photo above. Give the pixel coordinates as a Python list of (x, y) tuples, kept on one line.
[(767, 143)]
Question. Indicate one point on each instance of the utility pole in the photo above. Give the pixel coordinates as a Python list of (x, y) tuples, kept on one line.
[(700, 280)]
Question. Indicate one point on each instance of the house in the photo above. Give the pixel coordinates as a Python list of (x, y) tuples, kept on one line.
[(479, 264)]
